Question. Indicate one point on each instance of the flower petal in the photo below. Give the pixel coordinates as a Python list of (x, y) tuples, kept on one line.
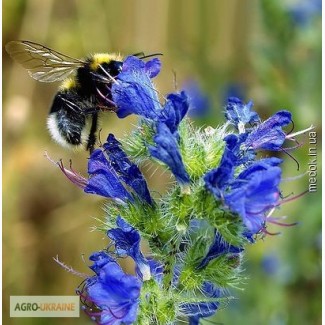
[(174, 110), (167, 151), (269, 135), (134, 93), (103, 179), (239, 113), (128, 172), (153, 67), (114, 292), (127, 243)]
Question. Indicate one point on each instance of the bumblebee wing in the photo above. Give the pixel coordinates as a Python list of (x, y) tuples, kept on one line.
[(42, 63)]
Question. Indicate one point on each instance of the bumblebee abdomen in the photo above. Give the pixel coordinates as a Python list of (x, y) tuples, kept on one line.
[(67, 121)]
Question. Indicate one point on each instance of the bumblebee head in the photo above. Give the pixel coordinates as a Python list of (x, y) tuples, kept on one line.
[(113, 68), (111, 63)]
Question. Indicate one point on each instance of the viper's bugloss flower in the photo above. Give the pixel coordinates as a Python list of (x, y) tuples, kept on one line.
[(156, 270), (134, 92), (199, 103), (100, 259), (174, 111), (199, 310), (254, 192), (269, 135), (127, 171), (219, 247), (134, 64), (103, 180), (236, 144), (239, 114), (166, 138), (303, 12), (166, 150), (113, 292), (127, 243), (217, 179), (110, 170), (270, 263)]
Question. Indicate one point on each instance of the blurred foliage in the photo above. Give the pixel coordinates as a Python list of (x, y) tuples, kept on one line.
[(259, 48)]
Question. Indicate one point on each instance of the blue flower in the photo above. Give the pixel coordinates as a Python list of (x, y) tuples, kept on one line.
[(128, 172), (254, 192), (239, 114), (167, 151), (199, 103), (218, 247), (217, 179), (269, 135), (134, 64), (99, 259), (270, 264), (103, 179), (156, 270), (236, 143), (174, 111), (266, 162), (196, 311), (115, 293), (194, 320), (134, 92), (110, 171), (127, 243), (304, 11)]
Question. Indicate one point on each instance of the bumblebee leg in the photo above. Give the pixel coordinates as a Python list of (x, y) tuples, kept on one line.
[(102, 108), (92, 133), (91, 111)]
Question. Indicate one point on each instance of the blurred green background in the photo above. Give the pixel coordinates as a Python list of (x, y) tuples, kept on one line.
[(267, 51)]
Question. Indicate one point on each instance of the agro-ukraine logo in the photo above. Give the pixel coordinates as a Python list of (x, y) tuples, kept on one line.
[(44, 306)]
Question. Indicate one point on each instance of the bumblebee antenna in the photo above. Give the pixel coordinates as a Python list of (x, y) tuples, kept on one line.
[(141, 55), (151, 55)]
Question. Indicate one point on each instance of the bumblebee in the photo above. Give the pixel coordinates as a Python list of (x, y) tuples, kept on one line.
[(83, 93)]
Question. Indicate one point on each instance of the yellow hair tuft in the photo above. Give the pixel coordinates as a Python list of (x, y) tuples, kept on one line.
[(68, 84), (99, 58)]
